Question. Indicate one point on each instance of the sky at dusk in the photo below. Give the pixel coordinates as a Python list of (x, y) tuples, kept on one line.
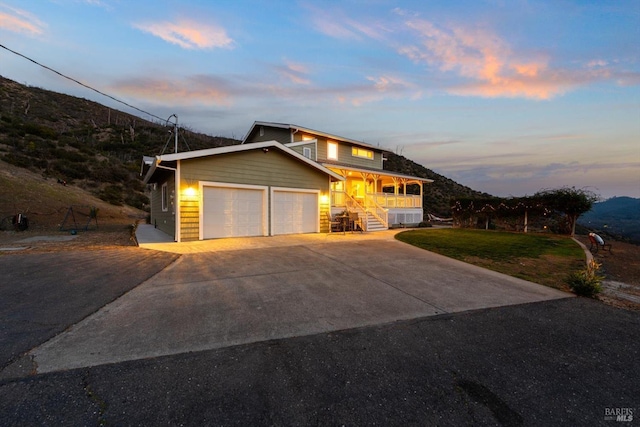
[(505, 96)]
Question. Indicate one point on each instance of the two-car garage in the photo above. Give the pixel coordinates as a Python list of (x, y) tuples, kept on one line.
[(257, 189), (229, 210)]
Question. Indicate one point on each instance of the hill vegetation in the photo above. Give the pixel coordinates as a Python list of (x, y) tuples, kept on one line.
[(99, 149), (82, 142)]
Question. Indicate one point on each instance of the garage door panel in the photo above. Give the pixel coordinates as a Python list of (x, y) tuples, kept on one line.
[(232, 212), (294, 212)]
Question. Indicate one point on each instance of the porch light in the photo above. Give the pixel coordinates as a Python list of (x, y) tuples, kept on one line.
[(190, 191), (324, 199)]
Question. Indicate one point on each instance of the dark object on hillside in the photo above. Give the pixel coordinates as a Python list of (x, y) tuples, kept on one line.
[(597, 242), (20, 222), (62, 181), (69, 223)]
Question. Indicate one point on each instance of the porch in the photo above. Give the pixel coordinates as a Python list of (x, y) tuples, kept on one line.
[(381, 200)]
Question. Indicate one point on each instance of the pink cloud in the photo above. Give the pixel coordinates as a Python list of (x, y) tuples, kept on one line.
[(493, 69), (20, 21), (197, 89), (189, 34), (294, 72)]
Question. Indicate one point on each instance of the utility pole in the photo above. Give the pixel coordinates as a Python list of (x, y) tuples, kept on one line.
[(175, 132)]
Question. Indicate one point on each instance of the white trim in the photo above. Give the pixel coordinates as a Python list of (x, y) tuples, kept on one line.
[(310, 131), (329, 154), (265, 202), (236, 149), (177, 207), (297, 144), (292, 190)]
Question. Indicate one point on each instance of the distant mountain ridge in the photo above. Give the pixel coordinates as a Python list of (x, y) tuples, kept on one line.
[(618, 217), (100, 149)]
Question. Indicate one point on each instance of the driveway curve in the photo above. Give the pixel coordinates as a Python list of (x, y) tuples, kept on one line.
[(220, 294)]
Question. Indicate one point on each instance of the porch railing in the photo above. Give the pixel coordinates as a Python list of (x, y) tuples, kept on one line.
[(380, 213), (368, 207), (389, 200), (383, 200)]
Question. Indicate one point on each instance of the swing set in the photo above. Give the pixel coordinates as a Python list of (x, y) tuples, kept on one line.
[(86, 215)]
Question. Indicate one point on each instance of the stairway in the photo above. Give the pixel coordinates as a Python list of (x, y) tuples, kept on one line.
[(372, 223)]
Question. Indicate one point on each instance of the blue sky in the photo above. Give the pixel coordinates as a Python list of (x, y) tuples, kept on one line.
[(505, 96)]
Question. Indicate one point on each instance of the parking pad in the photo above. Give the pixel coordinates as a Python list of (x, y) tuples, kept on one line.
[(217, 299)]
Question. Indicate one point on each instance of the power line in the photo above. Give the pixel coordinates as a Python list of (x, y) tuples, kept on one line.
[(82, 84)]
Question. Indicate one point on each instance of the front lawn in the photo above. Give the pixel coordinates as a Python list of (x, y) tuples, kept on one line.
[(541, 258)]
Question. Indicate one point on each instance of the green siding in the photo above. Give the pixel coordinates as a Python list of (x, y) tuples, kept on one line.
[(165, 221), (273, 168), (270, 134), (299, 149), (344, 148)]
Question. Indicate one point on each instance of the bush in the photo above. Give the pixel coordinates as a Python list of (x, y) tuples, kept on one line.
[(587, 282), (112, 194)]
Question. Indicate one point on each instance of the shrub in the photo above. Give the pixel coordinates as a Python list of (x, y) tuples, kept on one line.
[(587, 282), (111, 194)]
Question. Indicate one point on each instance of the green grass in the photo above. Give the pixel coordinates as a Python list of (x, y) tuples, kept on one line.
[(540, 258)]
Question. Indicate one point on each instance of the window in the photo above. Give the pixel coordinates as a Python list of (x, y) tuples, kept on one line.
[(306, 151), (165, 198), (361, 152), (332, 151), (261, 130)]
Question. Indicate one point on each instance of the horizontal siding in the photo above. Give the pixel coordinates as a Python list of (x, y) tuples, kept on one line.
[(189, 218), (273, 168), (345, 156), (165, 221), (300, 149), (270, 134)]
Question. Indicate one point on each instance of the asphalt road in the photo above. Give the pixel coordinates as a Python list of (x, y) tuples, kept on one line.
[(561, 362), (554, 362)]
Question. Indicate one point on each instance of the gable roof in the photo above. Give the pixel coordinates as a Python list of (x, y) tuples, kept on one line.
[(308, 130), (235, 149)]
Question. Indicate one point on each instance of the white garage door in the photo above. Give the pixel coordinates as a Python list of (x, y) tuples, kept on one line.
[(232, 212), (294, 212)]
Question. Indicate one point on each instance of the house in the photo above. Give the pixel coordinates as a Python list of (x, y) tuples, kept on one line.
[(381, 198), (282, 179)]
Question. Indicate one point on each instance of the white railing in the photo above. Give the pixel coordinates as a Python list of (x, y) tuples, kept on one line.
[(380, 213), (383, 200), (370, 208), (353, 206), (389, 200)]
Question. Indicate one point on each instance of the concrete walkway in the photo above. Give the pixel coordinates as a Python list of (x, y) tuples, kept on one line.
[(225, 292)]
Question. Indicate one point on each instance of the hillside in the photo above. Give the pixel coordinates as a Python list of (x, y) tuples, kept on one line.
[(45, 202), (82, 142), (438, 194), (618, 217), (99, 149)]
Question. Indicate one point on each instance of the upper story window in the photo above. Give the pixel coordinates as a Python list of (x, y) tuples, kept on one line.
[(306, 151), (332, 150), (261, 130), (308, 138), (361, 152)]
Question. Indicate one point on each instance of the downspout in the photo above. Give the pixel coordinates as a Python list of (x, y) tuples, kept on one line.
[(293, 133)]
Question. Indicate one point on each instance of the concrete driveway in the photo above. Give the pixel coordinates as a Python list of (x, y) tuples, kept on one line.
[(223, 293)]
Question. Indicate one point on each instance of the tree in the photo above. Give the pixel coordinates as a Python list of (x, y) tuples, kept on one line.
[(571, 201)]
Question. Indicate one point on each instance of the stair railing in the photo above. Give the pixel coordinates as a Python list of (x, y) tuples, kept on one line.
[(378, 212), (355, 206)]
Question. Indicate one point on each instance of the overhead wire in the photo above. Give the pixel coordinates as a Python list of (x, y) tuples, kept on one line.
[(82, 84)]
